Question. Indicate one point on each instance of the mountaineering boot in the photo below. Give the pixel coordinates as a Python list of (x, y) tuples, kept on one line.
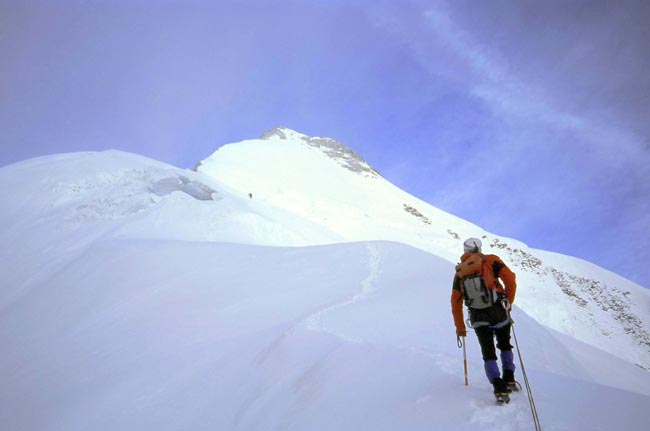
[(501, 391), (511, 383)]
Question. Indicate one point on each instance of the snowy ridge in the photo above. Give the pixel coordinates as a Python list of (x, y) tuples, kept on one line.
[(136, 295), (562, 292)]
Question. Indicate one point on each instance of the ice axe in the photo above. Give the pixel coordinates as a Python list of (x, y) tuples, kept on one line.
[(461, 344)]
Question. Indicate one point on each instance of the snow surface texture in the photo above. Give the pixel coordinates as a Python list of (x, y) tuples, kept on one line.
[(136, 295)]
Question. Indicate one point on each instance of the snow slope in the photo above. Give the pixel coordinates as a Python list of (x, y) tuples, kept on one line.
[(135, 295), (323, 181), (171, 335), (54, 207)]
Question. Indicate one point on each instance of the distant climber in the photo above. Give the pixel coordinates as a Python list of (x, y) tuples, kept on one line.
[(477, 284), (250, 195)]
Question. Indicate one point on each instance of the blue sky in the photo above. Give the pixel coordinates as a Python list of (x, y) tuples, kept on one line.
[(531, 119)]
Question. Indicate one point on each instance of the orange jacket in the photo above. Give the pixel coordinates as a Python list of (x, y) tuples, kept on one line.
[(500, 271)]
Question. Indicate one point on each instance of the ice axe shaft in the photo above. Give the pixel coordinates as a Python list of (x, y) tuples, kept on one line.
[(461, 343)]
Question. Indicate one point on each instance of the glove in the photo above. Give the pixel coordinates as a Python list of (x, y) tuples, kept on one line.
[(462, 333)]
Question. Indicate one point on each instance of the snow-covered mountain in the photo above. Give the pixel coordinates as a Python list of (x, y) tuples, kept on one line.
[(136, 295), (326, 183)]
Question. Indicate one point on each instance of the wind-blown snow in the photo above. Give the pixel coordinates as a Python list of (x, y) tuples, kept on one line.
[(136, 295)]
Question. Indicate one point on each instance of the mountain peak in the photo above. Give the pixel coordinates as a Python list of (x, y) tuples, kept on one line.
[(335, 150), (282, 133)]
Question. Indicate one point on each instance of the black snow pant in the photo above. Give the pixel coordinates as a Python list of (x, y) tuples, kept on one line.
[(486, 334), (489, 323)]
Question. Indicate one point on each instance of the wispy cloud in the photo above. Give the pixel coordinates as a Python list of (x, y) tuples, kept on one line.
[(505, 91), (566, 172)]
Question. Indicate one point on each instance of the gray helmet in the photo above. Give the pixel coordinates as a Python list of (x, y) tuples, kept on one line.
[(472, 245)]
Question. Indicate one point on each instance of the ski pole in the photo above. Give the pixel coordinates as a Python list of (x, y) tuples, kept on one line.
[(461, 343)]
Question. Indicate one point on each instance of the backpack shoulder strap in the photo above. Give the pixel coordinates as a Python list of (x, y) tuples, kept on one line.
[(495, 263)]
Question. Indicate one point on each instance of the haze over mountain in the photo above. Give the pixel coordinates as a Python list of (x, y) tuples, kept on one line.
[(136, 295)]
